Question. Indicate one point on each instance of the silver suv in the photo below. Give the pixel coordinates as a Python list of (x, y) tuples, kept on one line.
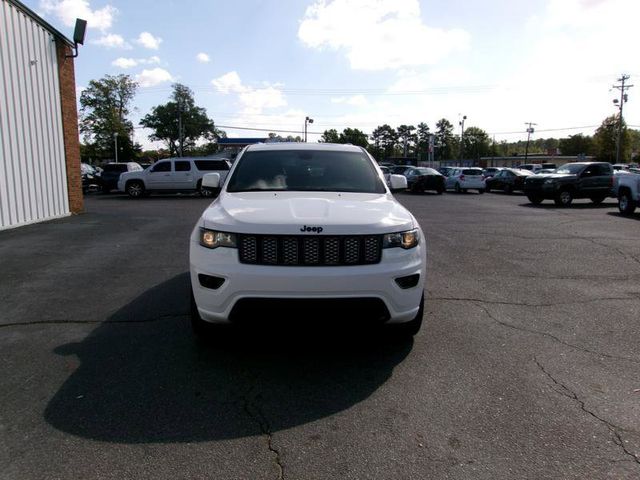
[(171, 175)]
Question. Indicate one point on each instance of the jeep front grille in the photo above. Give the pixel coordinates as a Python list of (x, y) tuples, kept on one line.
[(307, 250)]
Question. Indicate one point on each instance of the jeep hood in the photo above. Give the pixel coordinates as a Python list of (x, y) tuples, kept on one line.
[(286, 213)]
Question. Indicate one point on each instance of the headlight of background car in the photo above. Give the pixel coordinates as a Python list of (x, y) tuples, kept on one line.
[(404, 240), (213, 239)]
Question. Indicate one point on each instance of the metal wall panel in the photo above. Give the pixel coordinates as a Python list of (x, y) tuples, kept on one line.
[(33, 185)]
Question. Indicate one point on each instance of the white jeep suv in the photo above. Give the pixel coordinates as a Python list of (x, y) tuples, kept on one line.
[(301, 230), (183, 174)]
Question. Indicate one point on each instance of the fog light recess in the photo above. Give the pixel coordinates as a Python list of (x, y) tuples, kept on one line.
[(209, 281), (409, 281)]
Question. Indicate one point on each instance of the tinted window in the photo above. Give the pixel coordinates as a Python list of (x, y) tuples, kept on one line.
[(602, 170), (182, 166), (208, 165), (161, 167), (471, 171), (115, 167), (572, 168), (305, 170)]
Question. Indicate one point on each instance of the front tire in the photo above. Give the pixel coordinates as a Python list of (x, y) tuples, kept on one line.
[(135, 189), (626, 204), (564, 198), (508, 189), (597, 200), (535, 200), (481, 191)]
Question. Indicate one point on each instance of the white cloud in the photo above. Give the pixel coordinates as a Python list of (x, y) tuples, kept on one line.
[(153, 77), (253, 100), (385, 34), (68, 10), (126, 63), (203, 57), (112, 40), (228, 83), (149, 41)]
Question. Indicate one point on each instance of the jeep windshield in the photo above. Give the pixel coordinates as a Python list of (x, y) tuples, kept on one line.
[(571, 168), (305, 171)]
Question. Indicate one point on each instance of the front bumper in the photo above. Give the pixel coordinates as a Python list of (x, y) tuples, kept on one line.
[(243, 281)]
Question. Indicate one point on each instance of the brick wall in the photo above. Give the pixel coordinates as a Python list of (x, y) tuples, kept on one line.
[(70, 126)]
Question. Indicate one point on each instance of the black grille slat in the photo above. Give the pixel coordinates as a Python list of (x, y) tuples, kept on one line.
[(306, 250)]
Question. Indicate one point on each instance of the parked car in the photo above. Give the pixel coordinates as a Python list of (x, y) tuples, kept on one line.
[(508, 180), (421, 179), (307, 231), (620, 166), (593, 180), (627, 189), (387, 175), (533, 167), (111, 174), (172, 175), (463, 179), (446, 170), (400, 169), (549, 166), (491, 171), (90, 177)]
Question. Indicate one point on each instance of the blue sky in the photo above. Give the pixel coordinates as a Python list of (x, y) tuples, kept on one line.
[(361, 63)]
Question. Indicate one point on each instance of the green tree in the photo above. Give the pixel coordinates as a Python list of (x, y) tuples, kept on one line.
[(164, 121), (576, 145), (354, 137), (407, 139), (330, 136), (445, 141), (422, 145), (476, 143), (605, 140), (385, 139), (104, 108)]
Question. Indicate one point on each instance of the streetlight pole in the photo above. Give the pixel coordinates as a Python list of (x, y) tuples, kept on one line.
[(307, 120), (530, 130), (115, 139), (461, 123)]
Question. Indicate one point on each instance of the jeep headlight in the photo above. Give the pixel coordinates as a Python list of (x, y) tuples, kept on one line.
[(404, 240), (215, 239)]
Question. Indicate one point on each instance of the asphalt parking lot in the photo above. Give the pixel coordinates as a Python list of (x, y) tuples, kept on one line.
[(527, 366)]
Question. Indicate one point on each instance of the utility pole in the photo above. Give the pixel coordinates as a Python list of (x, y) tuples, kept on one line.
[(620, 104), (307, 120), (115, 139), (179, 127), (461, 123), (530, 130)]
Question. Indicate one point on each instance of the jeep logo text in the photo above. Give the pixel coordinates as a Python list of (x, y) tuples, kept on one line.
[(311, 229)]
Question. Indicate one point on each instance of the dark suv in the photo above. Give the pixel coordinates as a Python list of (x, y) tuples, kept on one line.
[(592, 180)]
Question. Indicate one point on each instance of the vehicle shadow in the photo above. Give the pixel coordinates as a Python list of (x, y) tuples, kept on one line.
[(635, 216), (143, 378), (550, 205)]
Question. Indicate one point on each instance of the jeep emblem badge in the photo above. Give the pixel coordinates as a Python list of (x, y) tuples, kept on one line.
[(311, 229)]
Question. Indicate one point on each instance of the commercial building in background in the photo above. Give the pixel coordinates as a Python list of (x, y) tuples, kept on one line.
[(39, 147)]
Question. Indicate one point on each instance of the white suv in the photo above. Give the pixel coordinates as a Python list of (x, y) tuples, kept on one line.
[(462, 179), (182, 174), (313, 227)]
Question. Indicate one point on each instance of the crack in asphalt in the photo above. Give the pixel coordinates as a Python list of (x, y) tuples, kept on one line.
[(553, 337), (257, 415), (92, 322), (570, 394), (525, 304)]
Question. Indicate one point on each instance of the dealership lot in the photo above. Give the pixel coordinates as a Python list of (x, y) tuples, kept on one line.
[(527, 365)]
